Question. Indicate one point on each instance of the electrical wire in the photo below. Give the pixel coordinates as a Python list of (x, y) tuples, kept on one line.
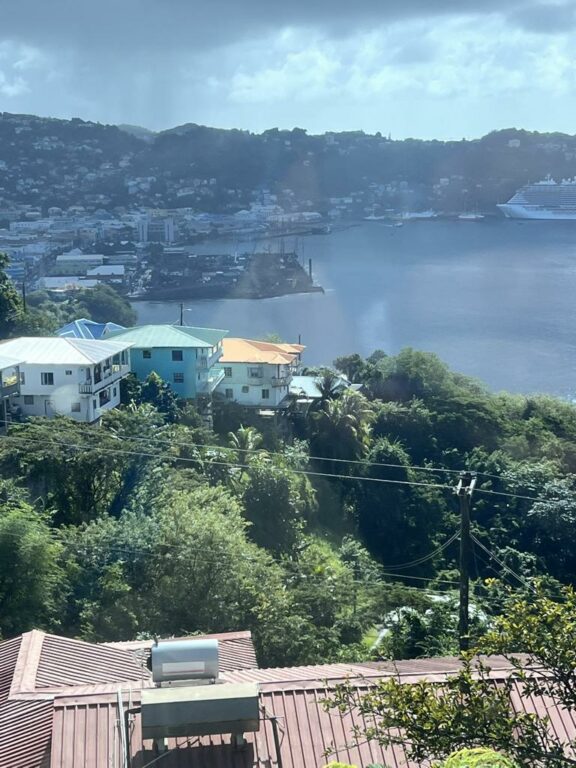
[(232, 465), (421, 560), (361, 462), (503, 565)]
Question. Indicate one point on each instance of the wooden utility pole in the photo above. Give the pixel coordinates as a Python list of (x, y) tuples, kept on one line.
[(464, 492), (181, 314)]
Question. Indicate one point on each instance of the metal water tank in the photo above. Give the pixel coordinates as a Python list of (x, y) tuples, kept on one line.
[(177, 660)]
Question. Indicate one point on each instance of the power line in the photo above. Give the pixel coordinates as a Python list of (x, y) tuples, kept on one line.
[(426, 557), (361, 462), (212, 462), (503, 565)]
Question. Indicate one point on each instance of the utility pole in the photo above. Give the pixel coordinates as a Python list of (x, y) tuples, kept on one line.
[(464, 492), (181, 314)]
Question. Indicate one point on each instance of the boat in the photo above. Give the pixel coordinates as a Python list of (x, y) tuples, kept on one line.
[(547, 199), (471, 216)]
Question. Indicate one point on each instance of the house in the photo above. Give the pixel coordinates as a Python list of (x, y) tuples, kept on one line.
[(185, 358), (66, 703), (79, 378), (9, 386), (258, 373), (87, 329)]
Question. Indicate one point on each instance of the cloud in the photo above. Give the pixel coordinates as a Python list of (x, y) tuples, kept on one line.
[(420, 67), (545, 17)]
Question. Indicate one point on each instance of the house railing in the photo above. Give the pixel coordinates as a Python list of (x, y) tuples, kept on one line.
[(281, 381)]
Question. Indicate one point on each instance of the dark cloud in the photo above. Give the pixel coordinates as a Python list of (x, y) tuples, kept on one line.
[(545, 18), (119, 26)]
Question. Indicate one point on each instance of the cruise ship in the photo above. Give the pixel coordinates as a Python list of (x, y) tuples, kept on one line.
[(543, 200)]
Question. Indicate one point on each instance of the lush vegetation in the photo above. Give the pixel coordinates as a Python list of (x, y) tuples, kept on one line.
[(329, 535)]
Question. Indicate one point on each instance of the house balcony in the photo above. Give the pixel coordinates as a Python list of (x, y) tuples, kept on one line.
[(281, 381), (208, 384), (8, 388), (107, 377)]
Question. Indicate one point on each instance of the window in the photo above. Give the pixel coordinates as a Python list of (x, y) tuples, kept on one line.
[(176, 355), (75, 408), (94, 404), (68, 373), (229, 394), (28, 399), (245, 390), (255, 373), (228, 372), (178, 378), (114, 391), (22, 378), (146, 354), (47, 379), (265, 394)]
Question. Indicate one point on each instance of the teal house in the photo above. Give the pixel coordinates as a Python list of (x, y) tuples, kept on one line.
[(186, 358)]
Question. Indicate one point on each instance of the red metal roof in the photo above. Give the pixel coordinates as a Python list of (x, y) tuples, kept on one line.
[(25, 733), (9, 651), (306, 730)]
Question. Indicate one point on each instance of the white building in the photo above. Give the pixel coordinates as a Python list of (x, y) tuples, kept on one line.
[(76, 263), (79, 378), (258, 373)]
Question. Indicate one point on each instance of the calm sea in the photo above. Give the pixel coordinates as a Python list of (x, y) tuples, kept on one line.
[(494, 299)]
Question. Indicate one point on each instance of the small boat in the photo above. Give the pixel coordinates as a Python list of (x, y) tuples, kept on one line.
[(471, 216)]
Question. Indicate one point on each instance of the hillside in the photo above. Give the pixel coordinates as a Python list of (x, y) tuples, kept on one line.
[(48, 162)]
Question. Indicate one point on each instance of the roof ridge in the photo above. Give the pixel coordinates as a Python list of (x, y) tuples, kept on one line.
[(26, 667)]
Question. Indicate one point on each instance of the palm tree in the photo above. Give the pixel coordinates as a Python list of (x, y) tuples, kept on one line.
[(245, 440), (341, 428)]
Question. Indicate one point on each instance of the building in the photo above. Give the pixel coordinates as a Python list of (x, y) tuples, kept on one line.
[(185, 358), (66, 703), (258, 373), (87, 329), (76, 263), (79, 378), (9, 386)]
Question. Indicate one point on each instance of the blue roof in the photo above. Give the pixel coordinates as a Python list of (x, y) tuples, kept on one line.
[(87, 329)]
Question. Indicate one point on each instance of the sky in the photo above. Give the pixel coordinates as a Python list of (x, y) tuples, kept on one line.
[(444, 69)]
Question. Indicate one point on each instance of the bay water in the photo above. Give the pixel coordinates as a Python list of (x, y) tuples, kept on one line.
[(494, 298)]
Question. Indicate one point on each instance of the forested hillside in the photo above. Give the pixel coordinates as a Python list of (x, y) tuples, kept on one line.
[(315, 536), (49, 162)]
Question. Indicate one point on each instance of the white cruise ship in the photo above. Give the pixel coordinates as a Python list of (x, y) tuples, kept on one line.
[(543, 200)]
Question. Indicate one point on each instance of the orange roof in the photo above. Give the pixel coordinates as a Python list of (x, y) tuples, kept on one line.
[(252, 351)]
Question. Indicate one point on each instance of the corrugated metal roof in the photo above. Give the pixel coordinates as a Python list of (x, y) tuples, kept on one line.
[(8, 362), (25, 733), (74, 662), (173, 336), (36, 350), (255, 352), (306, 732), (9, 651), (87, 329)]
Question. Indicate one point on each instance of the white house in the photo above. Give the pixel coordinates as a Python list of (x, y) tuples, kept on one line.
[(79, 378), (258, 373)]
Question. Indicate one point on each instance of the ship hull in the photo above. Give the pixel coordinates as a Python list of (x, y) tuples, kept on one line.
[(513, 211)]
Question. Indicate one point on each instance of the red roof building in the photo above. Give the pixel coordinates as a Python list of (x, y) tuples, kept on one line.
[(70, 704)]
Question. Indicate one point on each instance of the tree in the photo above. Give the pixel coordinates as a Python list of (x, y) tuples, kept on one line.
[(245, 440), (31, 580), (11, 307), (277, 502), (105, 305)]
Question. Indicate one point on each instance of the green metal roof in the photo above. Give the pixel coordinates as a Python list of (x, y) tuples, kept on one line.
[(174, 336)]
